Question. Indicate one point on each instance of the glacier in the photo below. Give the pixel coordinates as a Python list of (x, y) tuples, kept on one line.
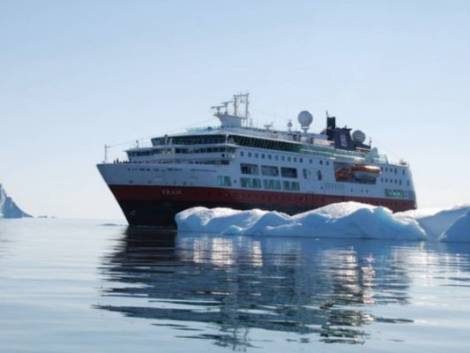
[(339, 220), (8, 207)]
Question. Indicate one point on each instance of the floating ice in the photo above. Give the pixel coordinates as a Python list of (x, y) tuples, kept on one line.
[(345, 219), (340, 220), (435, 222), (459, 231)]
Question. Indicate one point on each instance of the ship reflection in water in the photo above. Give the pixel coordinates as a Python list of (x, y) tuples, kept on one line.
[(225, 288)]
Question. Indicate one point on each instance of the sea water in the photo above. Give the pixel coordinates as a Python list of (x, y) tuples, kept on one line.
[(75, 286)]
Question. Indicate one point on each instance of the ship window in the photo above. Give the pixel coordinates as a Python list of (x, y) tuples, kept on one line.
[(269, 156), (283, 158), (251, 183), (276, 157), (241, 153), (319, 175), (327, 163), (256, 155), (289, 172), (262, 155), (288, 159), (304, 171), (249, 154), (321, 162), (291, 185), (310, 161), (271, 184), (246, 168), (295, 159), (223, 180), (269, 170)]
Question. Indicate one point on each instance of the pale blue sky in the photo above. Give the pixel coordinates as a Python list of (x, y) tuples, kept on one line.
[(78, 74)]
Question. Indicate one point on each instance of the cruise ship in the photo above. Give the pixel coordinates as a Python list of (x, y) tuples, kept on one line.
[(240, 166)]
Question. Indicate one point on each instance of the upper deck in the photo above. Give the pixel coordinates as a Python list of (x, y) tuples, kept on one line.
[(217, 145)]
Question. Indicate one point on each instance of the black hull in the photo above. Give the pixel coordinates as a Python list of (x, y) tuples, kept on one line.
[(149, 213)]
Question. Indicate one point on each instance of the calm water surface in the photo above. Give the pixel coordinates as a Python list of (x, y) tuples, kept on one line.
[(75, 286)]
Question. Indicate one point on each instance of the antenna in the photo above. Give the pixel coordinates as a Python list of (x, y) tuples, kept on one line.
[(217, 108), (289, 125), (247, 104), (106, 147), (235, 104), (225, 105)]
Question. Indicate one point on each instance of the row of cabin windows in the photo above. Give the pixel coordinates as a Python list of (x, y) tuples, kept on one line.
[(394, 181), (392, 170), (282, 158), (189, 140), (205, 150), (269, 184), (268, 170), (236, 139), (181, 151)]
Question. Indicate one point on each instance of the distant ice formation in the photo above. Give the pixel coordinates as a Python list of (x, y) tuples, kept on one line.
[(8, 207), (340, 220)]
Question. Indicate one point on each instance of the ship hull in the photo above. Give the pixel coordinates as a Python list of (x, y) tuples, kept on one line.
[(158, 205)]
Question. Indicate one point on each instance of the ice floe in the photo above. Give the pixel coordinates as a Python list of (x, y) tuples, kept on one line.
[(340, 220)]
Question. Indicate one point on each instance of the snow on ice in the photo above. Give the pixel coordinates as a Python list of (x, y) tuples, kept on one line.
[(340, 220)]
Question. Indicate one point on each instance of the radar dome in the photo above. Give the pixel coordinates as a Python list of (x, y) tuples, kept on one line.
[(305, 118), (358, 136)]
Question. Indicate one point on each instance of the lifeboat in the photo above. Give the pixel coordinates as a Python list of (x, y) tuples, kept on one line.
[(360, 173), (344, 174), (367, 173)]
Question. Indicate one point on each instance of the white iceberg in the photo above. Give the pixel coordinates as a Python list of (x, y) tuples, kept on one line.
[(459, 231), (435, 222), (340, 220)]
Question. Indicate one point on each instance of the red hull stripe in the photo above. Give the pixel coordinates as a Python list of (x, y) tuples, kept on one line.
[(267, 199)]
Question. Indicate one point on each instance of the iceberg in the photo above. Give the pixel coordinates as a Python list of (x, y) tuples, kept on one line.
[(8, 207), (459, 231), (435, 222), (340, 220)]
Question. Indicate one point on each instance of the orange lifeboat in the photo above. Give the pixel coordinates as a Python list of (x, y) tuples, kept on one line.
[(359, 172), (367, 173), (343, 174)]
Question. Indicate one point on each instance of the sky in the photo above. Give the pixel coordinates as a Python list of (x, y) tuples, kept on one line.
[(75, 75)]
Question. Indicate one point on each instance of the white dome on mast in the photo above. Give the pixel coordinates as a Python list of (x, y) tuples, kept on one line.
[(305, 119)]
